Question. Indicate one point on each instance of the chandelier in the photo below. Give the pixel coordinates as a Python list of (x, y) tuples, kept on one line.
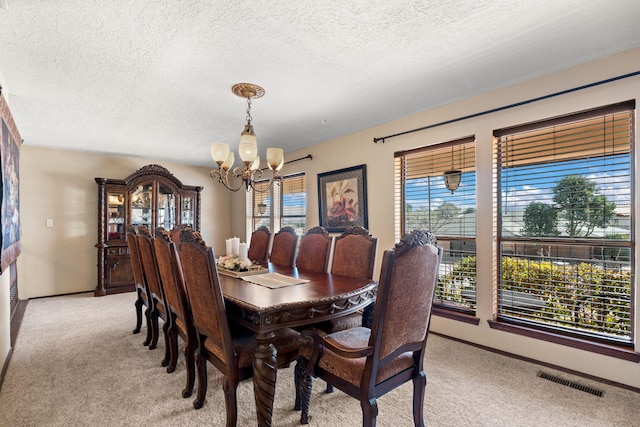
[(249, 172)]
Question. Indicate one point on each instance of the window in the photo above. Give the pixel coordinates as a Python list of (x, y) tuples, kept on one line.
[(284, 205), (293, 211), (564, 224), (424, 202)]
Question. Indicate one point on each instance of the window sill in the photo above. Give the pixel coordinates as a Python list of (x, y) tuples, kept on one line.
[(594, 347), (455, 315)]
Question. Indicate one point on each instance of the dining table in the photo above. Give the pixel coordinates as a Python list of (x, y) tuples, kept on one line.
[(303, 298)]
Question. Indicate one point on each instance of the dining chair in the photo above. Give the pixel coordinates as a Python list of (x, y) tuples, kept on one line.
[(229, 347), (314, 249), (259, 244), (157, 303), (368, 363), (354, 255), (142, 293), (283, 248), (178, 308)]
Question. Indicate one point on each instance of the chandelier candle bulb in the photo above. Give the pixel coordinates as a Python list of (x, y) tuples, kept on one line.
[(256, 163), (275, 158), (220, 152)]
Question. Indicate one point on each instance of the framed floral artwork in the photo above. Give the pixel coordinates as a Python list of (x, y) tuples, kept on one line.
[(342, 198)]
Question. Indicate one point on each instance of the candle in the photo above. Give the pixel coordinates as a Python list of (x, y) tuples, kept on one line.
[(244, 251), (229, 247), (236, 246)]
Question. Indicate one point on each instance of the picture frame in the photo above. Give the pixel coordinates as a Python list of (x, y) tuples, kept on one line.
[(342, 198)]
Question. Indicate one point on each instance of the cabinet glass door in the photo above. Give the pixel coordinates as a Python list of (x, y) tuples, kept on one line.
[(187, 211), (115, 212), (166, 208), (142, 204)]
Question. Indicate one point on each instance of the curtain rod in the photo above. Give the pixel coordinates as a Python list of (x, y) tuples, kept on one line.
[(308, 156), (505, 107)]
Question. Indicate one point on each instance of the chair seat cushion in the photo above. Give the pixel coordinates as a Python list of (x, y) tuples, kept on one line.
[(352, 369)]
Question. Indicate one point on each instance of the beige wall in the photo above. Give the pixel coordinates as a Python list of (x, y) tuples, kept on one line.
[(359, 148), (59, 185)]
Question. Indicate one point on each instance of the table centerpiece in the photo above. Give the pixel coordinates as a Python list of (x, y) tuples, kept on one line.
[(232, 265)]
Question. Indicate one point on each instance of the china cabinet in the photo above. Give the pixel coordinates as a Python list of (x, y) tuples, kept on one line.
[(152, 197)]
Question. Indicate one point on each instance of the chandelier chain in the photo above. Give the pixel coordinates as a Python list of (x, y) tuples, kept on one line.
[(249, 118)]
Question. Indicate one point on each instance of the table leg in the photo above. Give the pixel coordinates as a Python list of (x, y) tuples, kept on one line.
[(264, 377)]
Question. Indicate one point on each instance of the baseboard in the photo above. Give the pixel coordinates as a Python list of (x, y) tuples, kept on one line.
[(16, 319), (538, 362), (4, 368)]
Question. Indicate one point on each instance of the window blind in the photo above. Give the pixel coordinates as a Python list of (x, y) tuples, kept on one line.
[(564, 196), (294, 202), (422, 201)]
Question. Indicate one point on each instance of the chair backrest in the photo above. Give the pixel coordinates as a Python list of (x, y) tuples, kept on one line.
[(134, 254), (283, 249), (174, 234), (405, 296), (205, 297), (171, 275), (148, 262), (314, 249), (354, 253), (259, 244)]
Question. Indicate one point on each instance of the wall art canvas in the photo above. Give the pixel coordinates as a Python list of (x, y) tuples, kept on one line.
[(10, 191), (343, 198)]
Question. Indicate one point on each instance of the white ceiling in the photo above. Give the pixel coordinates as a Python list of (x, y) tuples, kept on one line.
[(153, 78)]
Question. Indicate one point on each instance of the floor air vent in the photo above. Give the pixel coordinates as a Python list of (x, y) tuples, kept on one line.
[(571, 384)]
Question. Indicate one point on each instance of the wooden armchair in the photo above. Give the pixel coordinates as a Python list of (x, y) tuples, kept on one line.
[(142, 293), (314, 249), (229, 348), (259, 244), (157, 303), (367, 363), (354, 255), (178, 308), (283, 248)]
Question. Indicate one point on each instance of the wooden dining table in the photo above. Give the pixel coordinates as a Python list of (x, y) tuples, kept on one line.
[(264, 310)]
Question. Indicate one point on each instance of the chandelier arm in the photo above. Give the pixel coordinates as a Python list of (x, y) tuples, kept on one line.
[(272, 181), (223, 178)]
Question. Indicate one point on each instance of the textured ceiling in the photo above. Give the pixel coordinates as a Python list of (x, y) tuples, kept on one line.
[(153, 78)]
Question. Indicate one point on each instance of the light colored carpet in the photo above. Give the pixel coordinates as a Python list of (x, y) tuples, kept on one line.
[(76, 363)]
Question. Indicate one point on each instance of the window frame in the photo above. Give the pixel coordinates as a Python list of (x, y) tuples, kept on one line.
[(573, 337), (275, 206), (447, 306)]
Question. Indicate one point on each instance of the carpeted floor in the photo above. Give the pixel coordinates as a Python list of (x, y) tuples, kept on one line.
[(76, 363)]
